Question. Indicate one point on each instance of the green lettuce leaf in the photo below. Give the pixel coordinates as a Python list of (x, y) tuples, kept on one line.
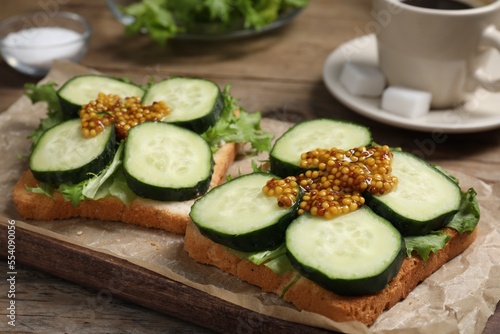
[(43, 189), (465, 220), (467, 217), (98, 186), (275, 259), (120, 189), (154, 17), (280, 265), (72, 192), (219, 10), (290, 284), (259, 13), (164, 19), (45, 93), (425, 244), (260, 257), (241, 128), (296, 3), (92, 186)]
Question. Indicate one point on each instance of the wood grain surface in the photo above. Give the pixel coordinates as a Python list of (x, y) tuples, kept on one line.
[(280, 74)]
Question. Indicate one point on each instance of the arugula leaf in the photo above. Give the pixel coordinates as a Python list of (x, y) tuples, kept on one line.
[(467, 217), (238, 127), (425, 244), (45, 93)]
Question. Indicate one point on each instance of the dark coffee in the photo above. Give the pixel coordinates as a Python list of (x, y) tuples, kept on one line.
[(439, 4)]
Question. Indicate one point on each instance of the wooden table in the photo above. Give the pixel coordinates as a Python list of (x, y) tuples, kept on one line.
[(279, 74)]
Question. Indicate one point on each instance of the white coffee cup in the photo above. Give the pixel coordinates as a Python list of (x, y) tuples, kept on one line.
[(438, 50)]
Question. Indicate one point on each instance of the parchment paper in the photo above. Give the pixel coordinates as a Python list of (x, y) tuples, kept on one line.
[(458, 298)]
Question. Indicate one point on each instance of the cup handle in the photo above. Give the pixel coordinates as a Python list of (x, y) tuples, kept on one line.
[(490, 37)]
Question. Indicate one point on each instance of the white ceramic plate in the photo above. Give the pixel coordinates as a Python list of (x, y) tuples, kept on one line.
[(481, 112)]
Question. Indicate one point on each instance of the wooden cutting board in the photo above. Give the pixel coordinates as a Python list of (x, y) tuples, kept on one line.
[(112, 275)]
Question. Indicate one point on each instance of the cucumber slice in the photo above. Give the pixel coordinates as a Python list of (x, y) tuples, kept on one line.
[(167, 163), (239, 215), (309, 135), (195, 104), (63, 154), (357, 253), (82, 89), (424, 198)]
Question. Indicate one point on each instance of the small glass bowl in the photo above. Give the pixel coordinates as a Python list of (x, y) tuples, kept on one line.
[(30, 42)]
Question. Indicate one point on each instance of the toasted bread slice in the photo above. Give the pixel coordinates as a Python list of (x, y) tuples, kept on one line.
[(170, 216), (307, 295)]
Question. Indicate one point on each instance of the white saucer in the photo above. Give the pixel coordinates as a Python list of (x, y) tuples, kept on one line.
[(480, 113)]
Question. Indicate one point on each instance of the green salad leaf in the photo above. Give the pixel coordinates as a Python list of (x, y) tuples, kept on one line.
[(43, 189), (280, 265), (153, 16), (110, 181), (72, 192), (467, 217), (275, 259), (45, 93), (260, 257), (164, 19), (423, 245), (120, 189), (465, 220), (238, 126), (92, 188)]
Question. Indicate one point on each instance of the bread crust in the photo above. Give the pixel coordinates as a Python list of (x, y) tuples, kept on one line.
[(170, 216), (307, 295)]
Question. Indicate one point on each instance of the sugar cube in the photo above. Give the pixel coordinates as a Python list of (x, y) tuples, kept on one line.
[(362, 79), (406, 102)]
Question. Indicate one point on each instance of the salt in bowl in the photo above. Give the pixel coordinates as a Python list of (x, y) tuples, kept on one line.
[(30, 42)]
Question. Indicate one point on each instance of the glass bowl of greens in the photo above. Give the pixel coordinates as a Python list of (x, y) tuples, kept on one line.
[(208, 20)]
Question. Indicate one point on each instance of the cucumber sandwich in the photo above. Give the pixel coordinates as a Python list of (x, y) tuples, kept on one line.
[(112, 150), (340, 225)]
